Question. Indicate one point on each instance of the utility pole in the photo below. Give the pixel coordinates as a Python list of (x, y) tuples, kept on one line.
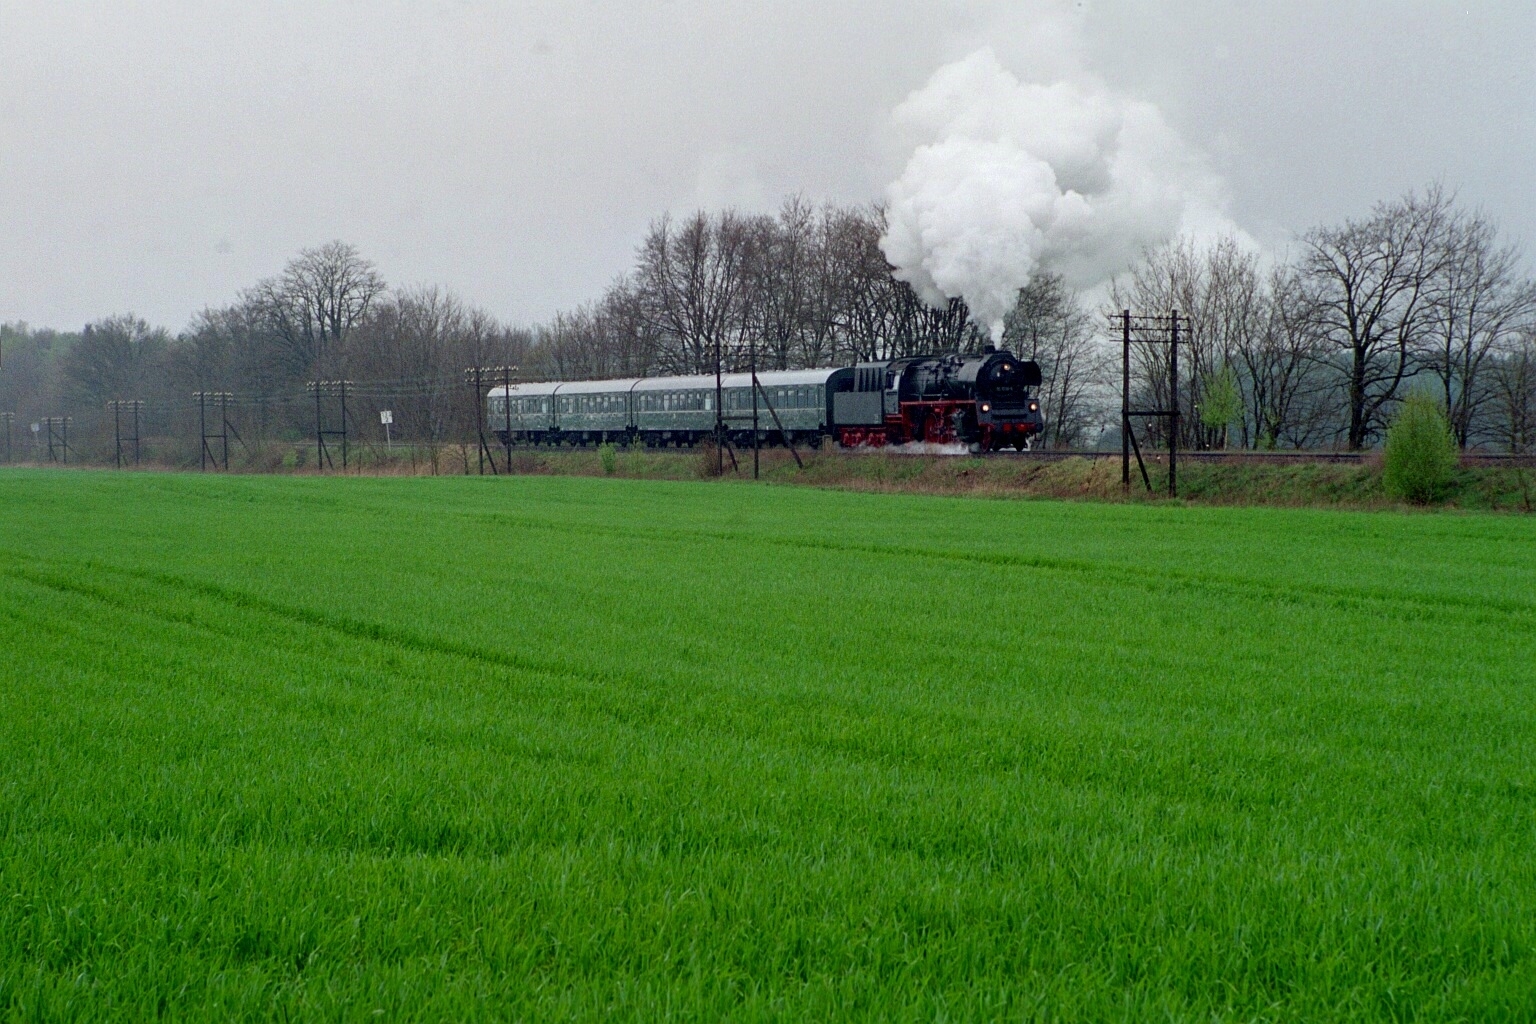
[(1125, 402), (719, 414), (322, 389), (320, 452), (9, 418), (1173, 407), (1149, 330), (757, 389), (756, 443), (207, 455), (118, 407), (58, 438), (474, 377), (506, 404)]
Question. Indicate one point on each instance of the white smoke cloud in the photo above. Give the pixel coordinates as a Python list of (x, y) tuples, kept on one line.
[(1009, 177)]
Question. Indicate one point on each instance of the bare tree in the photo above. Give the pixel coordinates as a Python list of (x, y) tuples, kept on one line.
[(313, 306), (633, 338), (1480, 305), (1284, 388), (1220, 292), (861, 293), (1514, 390), (1049, 325), (691, 278), (1371, 291), (782, 268)]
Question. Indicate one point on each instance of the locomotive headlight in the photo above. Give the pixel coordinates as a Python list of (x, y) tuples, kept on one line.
[(1034, 406), (985, 407)]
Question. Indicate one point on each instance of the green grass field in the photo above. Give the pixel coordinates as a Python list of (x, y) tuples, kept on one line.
[(550, 748)]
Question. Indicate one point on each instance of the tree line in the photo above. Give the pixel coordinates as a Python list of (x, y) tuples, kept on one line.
[(1313, 350)]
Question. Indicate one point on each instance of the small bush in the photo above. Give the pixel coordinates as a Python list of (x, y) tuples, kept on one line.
[(610, 458), (1421, 455), (1221, 403), (708, 457)]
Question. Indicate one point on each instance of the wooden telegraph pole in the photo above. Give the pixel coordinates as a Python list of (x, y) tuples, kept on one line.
[(1149, 330)]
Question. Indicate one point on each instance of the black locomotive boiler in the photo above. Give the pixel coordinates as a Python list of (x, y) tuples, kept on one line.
[(986, 401)]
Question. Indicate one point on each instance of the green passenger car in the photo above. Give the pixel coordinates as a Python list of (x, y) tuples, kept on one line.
[(791, 405)]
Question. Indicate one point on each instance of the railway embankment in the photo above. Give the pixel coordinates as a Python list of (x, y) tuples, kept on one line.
[(1283, 479), (1323, 481)]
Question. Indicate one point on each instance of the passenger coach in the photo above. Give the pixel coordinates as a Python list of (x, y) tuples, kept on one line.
[(660, 411)]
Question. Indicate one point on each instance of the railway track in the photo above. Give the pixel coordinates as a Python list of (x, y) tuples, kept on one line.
[(1272, 458)]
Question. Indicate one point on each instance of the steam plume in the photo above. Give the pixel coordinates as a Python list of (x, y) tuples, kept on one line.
[(1010, 177)]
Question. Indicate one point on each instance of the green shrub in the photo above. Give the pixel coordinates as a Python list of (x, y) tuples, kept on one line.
[(610, 457), (1221, 403), (708, 459), (1421, 454)]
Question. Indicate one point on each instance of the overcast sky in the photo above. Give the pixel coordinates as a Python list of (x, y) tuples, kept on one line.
[(157, 157)]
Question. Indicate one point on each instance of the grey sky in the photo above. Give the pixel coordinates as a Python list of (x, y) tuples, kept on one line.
[(157, 157)]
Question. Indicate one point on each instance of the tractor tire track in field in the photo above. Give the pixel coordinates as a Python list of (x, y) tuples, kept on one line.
[(837, 734), (642, 693), (1161, 580), (359, 629)]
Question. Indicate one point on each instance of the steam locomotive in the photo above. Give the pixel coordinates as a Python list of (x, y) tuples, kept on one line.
[(985, 401)]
